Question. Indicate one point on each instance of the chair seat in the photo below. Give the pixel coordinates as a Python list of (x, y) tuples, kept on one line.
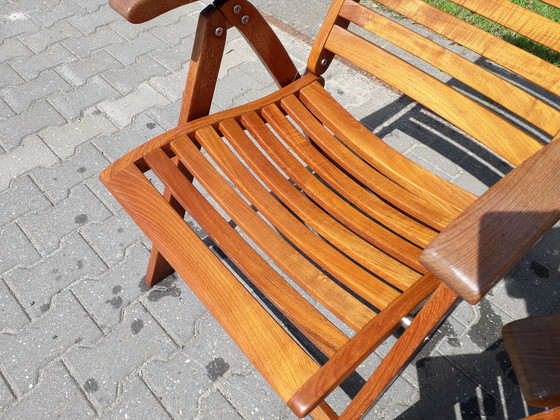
[(318, 219)]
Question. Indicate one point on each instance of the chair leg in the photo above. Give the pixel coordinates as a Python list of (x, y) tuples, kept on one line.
[(427, 320)]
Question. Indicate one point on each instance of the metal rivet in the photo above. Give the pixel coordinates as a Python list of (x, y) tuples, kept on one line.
[(245, 19), (219, 31), (324, 62), (236, 9)]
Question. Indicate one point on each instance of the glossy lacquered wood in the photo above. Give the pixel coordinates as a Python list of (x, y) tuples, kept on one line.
[(139, 11)]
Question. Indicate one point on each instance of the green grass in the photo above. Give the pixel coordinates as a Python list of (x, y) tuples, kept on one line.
[(504, 33)]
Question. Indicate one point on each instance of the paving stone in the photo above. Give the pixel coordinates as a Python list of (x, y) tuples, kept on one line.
[(64, 140), (21, 249), (108, 296), (46, 17), (6, 395), (20, 98), (57, 181), (22, 196), (88, 23), (121, 111), (175, 306), (31, 154), (72, 104), (126, 79), (396, 400), (167, 117), (126, 349), (35, 286), (45, 339), (112, 237), (101, 192), (136, 402), (92, 5), (57, 391), (173, 33), (5, 111), (128, 52), (12, 318), (9, 77), (85, 46), (16, 23), (13, 48), (171, 85), (214, 405), (235, 84), (173, 58), (40, 40), (78, 72), (48, 227), (547, 250), (30, 68), (131, 32)]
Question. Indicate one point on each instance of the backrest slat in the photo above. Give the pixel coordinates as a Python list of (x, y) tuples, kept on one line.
[(487, 83)]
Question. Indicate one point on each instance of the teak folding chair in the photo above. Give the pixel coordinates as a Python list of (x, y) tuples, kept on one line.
[(323, 223)]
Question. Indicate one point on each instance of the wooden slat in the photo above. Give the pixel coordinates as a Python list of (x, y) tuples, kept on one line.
[(330, 295), (362, 344), (502, 137), (517, 18), (139, 11), (503, 53), (479, 247), (555, 3), (348, 188), (257, 334), (506, 94), (423, 210), (361, 251), (345, 271), (321, 194), (383, 157), (316, 327)]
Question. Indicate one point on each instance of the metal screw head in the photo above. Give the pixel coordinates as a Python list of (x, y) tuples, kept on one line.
[(245, 19), (236, 9), (219, 31), (324, 62)]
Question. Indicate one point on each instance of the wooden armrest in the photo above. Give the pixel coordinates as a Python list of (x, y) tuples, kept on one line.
[(139, 11), (479, 247)]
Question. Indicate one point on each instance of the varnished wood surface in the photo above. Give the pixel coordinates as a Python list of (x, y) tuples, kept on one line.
[(553, 414), (533, 344), (479, 247), (139, 11)]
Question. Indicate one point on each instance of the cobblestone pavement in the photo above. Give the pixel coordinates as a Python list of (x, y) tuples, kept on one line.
[(81, 336)]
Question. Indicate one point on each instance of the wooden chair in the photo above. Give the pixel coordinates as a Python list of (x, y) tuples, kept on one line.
[(322, 223)]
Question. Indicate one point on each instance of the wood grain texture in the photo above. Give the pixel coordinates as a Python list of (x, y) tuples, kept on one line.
[(479, 247), (533, 344), (553, 414), (139, 11)]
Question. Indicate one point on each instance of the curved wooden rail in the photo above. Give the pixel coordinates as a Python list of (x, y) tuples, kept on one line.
[(139, 11)]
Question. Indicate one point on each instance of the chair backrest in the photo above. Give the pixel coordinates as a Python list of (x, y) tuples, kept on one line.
[(354, 32)]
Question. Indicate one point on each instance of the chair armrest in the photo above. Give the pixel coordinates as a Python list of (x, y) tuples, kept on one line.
[(139, 11), (479, 247)]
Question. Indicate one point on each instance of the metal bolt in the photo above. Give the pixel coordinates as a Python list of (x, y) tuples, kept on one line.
[(236, 9), (219, 31), (324, 62), (245, 19)]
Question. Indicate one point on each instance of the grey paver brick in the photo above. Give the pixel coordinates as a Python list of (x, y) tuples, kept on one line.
[(109, 295), (42, 341), (31, 154), (57, 181), (174, 32), (103, 194), (235, 84), (22, 196), (114, 146), (50, 226), (12, 316), (64, 140), (6, 395), (83, 47), (40, 40), (78, 72), (56, 390), (175, 306), (135, 340), (35, 286), (16, 23), (47, 17), (5, 111), (20, 98), (171, 85), (136, 402), (547, 250), (131, 32), (168, 116), (17, 249), (173, 58), (88, 23), (91, 5), (128, 52), (112, 237), (9, 77), (128, 78), (13, 48), (30, 68), (215, 405), (121, 111), (72, 104)]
